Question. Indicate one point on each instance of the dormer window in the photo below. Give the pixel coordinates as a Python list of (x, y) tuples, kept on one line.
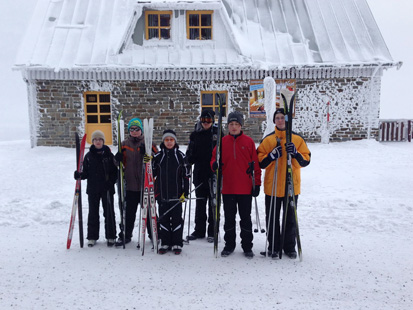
[(199, 25), (158, 24)]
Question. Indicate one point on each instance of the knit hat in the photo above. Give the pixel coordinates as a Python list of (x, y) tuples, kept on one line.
[(169, 133), (97, 134), (278, 111), (208, 113), (135, 122), (237, 117)]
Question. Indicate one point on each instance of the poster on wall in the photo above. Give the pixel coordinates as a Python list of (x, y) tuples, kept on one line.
[(257, 98)]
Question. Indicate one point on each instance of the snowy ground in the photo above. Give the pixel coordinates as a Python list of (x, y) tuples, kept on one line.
[(356, 216)]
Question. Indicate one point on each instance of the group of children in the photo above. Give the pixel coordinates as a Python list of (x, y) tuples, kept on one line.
[(239, 162)]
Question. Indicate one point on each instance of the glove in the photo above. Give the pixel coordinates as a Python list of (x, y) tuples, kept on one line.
[(256, 191), (119, 157), (147, 158), (182, 198), (77, 175), (276, 153), (290, 147)]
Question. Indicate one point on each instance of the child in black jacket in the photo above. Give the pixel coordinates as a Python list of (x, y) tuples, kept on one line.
[(171, 173), (101, 173)]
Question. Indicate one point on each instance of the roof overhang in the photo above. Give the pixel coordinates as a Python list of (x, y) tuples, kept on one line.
[(215, 73)]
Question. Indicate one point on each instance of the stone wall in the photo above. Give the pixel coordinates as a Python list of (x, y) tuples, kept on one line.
[(176, 105)]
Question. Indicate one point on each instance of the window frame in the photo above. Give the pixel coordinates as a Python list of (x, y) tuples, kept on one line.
[(200, 27), (215, 104), (159, 27)]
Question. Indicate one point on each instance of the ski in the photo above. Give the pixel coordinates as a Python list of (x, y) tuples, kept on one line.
[(77, 196), (217, 179), (289, 197), (121, 179), (148, 193), (79, 207)]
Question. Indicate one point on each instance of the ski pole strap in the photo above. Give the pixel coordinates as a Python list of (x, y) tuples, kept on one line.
[(250, 169)]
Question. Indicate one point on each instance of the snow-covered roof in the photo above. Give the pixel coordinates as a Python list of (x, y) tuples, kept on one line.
[(259, 34)]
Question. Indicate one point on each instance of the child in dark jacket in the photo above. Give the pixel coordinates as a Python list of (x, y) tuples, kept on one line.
[(171, 173), (101, 173)]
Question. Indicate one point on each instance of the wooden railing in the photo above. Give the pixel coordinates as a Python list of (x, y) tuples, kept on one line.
[(396, 130)]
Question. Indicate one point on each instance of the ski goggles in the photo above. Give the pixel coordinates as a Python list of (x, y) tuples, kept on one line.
[(134, 129), (208, 120)]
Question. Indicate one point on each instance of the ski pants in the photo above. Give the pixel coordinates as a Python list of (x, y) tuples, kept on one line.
[(244, 203), (93, 216), (132, 200), (201, 213), (170, 224), (274, 232)]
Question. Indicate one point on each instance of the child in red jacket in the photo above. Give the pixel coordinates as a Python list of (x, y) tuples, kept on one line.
[(238, 151)]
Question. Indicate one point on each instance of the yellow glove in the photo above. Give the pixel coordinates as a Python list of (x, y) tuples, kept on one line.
[(182, 198), (147, 158)]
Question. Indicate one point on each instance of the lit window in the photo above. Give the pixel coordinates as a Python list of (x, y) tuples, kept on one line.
[(158, 24), (199, 25)]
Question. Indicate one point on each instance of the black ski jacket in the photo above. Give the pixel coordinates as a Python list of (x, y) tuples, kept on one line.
[(199, 152), (171, 173), (100, 170)]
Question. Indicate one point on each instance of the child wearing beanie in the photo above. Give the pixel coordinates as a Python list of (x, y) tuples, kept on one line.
[(100, 170), (171, 173)]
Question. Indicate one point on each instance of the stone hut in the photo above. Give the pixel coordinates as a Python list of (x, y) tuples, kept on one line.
[(86, 60)]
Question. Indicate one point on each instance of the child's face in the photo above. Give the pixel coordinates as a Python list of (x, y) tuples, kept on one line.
[(98, 143), (234, 128), (169, 143), (135, 131), (280, 121)]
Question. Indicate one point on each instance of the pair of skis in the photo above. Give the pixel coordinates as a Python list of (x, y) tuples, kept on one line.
[(148, 202), (289, 196), (148, 199), (121, 179), (77, 199)]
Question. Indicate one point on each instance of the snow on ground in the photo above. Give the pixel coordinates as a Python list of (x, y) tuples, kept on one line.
[(355, 212)]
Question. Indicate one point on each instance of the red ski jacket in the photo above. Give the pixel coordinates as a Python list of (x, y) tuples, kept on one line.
[(237, 153)]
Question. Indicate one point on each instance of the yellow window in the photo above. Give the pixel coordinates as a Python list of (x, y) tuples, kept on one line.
[(158, 24), (210, 100), (199, 25), (98, 115)]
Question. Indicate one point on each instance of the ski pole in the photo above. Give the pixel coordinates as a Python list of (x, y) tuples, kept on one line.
[(190, 191), (179, 201), (257, 216), (271, 211)]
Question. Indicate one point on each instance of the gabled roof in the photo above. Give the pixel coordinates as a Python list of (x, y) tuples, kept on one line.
[(261, 34)]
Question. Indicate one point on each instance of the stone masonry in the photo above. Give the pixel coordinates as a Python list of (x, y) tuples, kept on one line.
[(176, 105)]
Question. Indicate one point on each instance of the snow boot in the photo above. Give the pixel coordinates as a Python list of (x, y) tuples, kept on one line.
[(91, 243), (226, 252), (163, 249), (249, 254), (292, 255), (119, 242), (194, 236), (177, 249)]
